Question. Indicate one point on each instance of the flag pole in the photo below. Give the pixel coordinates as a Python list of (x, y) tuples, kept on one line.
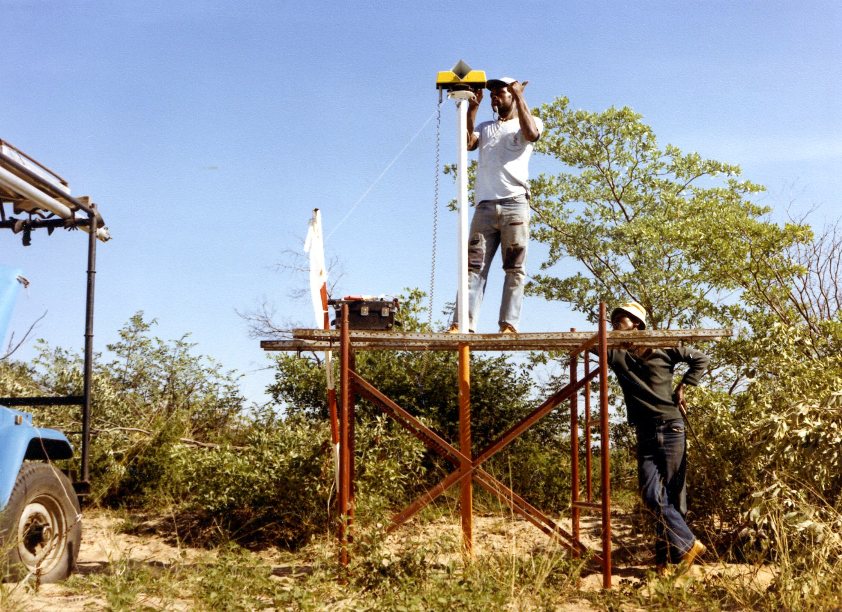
[(314, 245)]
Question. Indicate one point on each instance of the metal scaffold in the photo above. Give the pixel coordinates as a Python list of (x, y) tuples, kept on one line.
[(468, 467)]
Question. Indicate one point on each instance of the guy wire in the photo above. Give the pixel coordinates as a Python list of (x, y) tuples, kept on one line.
[(380, 176)]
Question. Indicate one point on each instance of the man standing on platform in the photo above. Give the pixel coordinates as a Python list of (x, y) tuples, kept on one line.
[(656, 412), (502, 196)]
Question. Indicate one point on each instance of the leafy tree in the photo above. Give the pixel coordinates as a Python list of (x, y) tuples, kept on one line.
[(151, 394), (684, 236), (674, 231)]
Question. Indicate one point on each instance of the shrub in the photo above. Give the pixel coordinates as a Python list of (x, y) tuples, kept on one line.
[(273, 489)]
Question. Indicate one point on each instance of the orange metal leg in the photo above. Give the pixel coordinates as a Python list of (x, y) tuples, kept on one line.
[(344, 454), (352, 463), (587, 428), (605, 448), (574, 448), (466, 490)]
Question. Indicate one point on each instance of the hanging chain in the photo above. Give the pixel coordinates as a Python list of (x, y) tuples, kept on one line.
[(427, 355), (435, 215)]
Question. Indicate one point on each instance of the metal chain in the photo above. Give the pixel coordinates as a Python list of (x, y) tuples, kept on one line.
[(425, 358), (435, 215)]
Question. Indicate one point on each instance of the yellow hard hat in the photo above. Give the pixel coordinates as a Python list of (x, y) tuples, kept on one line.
[(634, 310)]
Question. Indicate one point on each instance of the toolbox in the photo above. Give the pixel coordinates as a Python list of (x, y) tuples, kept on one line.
[(367, 312)]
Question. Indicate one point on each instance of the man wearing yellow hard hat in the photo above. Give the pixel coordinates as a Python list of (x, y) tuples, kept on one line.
[(655, 410)]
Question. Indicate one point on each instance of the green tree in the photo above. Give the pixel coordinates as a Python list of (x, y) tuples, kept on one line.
[(684, 236), (150, 395), (674, 231)]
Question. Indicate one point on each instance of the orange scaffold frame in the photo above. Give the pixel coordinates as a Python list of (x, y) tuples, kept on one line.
[(468, 468)]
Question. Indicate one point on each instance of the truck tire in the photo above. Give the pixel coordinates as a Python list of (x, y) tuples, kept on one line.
[(41, 526)]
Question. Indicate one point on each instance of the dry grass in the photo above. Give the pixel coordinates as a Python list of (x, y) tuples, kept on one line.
[(422, 566)]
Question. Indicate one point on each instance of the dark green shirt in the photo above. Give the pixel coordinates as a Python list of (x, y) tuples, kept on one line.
[(647, 383)]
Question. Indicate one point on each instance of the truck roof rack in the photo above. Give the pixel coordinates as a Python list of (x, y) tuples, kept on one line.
[(38, 197), (34, 197)]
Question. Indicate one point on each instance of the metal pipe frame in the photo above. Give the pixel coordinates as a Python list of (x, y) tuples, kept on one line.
[(32, 177), (467, 468), (87, 385), (466, 464), (456, 457), (85, 400), (587, 428), (605, 448)]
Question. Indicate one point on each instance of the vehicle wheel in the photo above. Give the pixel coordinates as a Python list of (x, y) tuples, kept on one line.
[(41, 526)]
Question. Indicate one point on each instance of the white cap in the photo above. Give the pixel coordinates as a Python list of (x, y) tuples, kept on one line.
[(498, 83)]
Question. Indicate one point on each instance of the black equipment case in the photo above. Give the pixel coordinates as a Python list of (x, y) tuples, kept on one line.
[(367, 312)]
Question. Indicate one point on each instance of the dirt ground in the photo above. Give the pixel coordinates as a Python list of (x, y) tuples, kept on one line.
[(105, 547)]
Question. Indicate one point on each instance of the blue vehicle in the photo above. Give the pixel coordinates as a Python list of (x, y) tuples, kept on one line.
[(40, 510)]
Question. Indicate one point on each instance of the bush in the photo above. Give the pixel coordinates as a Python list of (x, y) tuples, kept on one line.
[(773, 470), (274, 489)]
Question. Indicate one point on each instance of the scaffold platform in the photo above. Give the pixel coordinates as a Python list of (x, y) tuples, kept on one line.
[(303, 340)]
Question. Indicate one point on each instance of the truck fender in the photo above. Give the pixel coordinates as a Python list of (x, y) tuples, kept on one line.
[(20, 441)]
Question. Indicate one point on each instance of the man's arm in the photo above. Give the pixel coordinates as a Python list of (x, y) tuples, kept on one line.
[(525, 118), (473, 105), (698, 363)]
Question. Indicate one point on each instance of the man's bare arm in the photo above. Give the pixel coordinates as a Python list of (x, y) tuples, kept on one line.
[(473, 106), (527, 122)]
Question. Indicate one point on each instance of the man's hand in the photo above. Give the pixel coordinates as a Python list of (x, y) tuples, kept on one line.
[(525, 118), (516, 88), (678, 397), (474, 101)]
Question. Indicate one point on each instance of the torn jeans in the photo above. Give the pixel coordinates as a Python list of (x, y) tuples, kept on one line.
[(498, 223)]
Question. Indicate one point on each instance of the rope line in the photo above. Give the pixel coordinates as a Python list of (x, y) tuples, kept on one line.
[(380, 176)]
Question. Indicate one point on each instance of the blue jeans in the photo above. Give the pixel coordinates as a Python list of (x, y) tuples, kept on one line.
[(498, 223), (661, 471)]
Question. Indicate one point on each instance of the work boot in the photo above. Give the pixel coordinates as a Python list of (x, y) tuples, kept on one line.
[(697, 550), (505, 328), (454, 329)]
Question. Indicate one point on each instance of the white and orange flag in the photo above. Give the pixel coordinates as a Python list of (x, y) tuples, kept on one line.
[(314, 245)]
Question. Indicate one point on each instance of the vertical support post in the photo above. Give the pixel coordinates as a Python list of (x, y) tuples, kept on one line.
[(344, 454), (574, 449), (89, 347), (587, 428), (352, 461), (466, 503), (605, 447), (462, 306), (466, 488)]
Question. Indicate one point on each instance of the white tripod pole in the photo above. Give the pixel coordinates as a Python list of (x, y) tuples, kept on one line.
[(461, 98)]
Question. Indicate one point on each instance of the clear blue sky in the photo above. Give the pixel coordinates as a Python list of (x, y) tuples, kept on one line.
[(207, 131)]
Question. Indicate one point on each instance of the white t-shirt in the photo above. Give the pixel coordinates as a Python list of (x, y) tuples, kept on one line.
[(503, 169)]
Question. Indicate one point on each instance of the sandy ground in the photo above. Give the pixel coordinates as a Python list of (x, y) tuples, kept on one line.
[(105, 548)]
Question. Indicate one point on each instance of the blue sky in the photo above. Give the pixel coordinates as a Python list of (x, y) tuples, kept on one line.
[(207, 131)]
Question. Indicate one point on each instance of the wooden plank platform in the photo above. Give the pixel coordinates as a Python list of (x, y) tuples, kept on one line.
[(328, 340)]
